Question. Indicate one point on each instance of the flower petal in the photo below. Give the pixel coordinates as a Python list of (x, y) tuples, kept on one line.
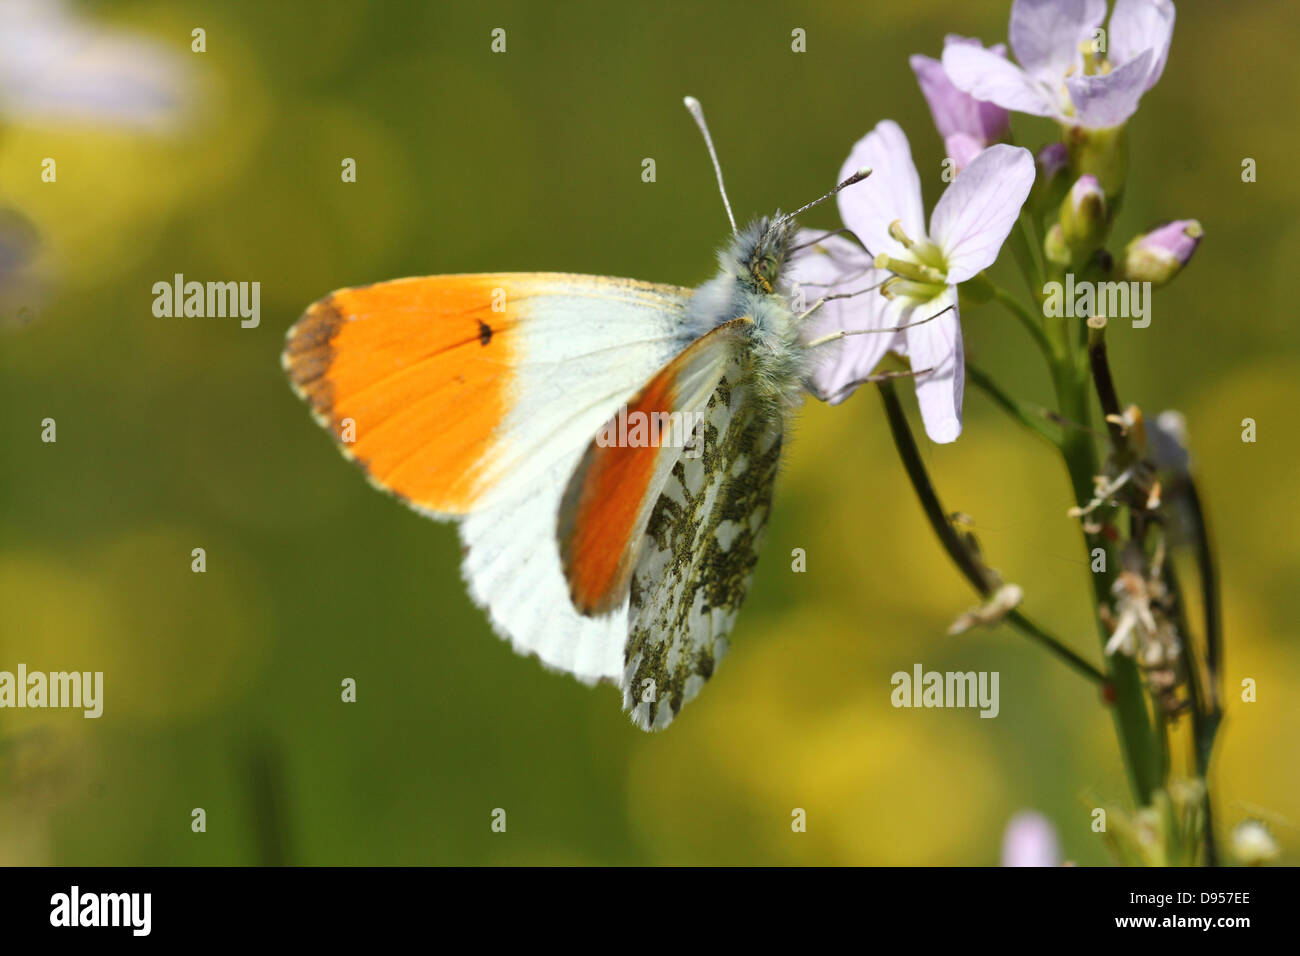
[(994, 121), (1137, 25), (994, 79), (861, 354), (836, 265), (937, 345), (962, 149), (953, 110), (1030, 840), (975, 214), (891, 192), (1045, 34), (1103, 101)]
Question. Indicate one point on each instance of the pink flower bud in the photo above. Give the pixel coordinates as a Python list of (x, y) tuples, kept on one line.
[(1084, 217), (1159, 255)]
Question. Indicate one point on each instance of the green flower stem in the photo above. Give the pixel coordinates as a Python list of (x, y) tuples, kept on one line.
[(1205, 713), (1208, 700), (1027, 319), (957, 550), (1107, 396), (1031, 416), (1025, 247), (1211, 604), (1138, 744)]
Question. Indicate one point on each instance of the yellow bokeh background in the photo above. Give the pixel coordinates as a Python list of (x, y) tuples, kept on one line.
[(223, 688)]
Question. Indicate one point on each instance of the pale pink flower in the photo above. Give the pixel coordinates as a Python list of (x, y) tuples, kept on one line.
[(1056, 77)]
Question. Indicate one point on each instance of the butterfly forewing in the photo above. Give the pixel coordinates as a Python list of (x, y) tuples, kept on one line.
[(474, 397)]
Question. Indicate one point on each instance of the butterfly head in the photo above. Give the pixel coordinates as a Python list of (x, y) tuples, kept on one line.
[(760, 253)]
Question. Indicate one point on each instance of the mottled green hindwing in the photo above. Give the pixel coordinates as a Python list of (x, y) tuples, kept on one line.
[(698, 558)]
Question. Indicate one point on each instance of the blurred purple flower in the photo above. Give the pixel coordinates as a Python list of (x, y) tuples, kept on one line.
[(1030, 840), (57, 67), (20, 286), (966, 124), (18, 240), (1096, 90)]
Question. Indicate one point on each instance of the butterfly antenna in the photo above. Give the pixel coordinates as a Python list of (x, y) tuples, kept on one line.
[(857, 177), (697, 112)]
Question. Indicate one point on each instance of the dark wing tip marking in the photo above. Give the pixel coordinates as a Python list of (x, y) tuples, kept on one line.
[(309, 352)]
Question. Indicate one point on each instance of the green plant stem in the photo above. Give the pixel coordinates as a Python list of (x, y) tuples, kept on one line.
[(1205, 713), (1032, 417), (1138, 744), (1027, 319), (957, 550), (1107, 396), (1211, 606), (1025, 247)]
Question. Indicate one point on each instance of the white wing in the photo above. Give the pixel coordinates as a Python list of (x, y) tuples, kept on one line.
[(591, 344), (415, 365)]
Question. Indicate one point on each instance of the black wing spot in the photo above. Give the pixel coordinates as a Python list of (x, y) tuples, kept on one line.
[(484, 333)]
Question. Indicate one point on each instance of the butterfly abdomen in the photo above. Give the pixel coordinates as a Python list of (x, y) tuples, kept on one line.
[(780, 360)]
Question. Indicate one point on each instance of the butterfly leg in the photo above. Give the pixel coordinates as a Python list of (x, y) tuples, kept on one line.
[(869, 380), (843, 333)]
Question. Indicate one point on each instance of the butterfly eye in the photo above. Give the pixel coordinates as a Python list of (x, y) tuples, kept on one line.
[(767, 269)]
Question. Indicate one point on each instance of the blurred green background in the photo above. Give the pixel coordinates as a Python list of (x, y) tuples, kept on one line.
[(222, 689)]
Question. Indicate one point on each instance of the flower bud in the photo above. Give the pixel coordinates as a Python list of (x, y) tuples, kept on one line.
[(1055, 248), (1084, 217), (1159, 255), (1102, 153)]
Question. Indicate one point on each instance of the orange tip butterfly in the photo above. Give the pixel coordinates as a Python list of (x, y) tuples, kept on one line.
[(608, 446)]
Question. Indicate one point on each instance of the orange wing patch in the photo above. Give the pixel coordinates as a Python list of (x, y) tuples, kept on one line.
[(412, 377), (613, 490), (614, 482)]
